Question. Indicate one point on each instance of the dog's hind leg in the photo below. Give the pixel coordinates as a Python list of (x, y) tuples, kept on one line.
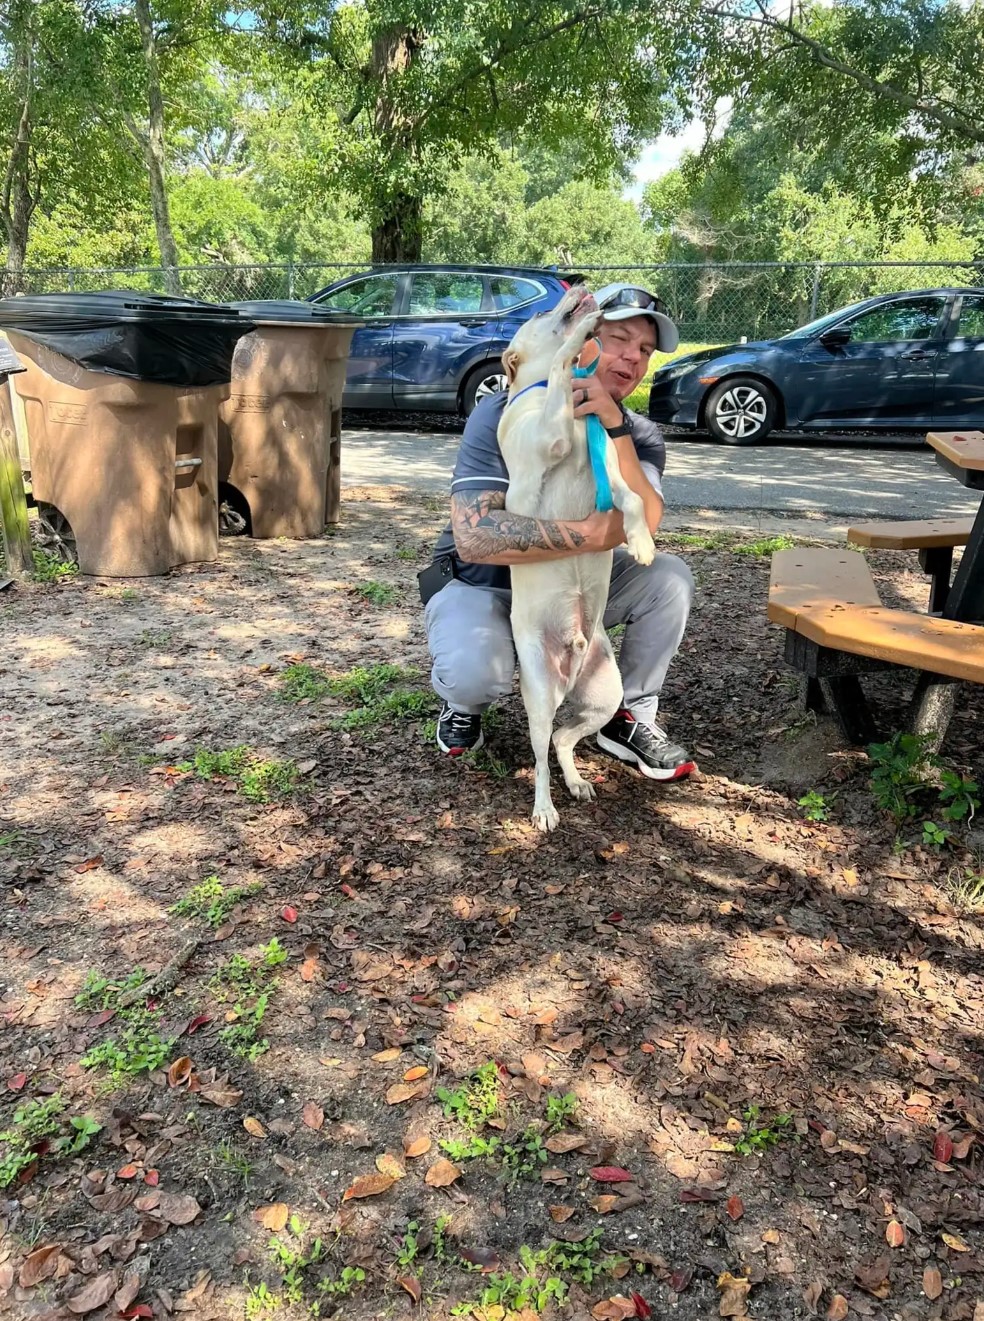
[(542, 686), (596, 696)]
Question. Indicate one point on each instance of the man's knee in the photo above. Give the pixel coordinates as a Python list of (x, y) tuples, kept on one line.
[(471, 645), (475, 677), (671, 581)]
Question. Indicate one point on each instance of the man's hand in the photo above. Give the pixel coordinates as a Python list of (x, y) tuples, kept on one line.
[(603, 531), (590, 396)]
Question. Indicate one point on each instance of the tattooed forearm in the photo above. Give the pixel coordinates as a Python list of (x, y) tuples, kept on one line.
[(486, 533)]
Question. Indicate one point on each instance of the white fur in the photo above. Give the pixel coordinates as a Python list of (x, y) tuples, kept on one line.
[(558, 606)]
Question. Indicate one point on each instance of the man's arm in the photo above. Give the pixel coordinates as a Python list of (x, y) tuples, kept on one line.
[(486, 533), (636, 480)]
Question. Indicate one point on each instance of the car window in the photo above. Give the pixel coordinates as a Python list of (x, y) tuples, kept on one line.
[(916, 318), (372, 296), (436, 293), (971, 324), (508, 291)]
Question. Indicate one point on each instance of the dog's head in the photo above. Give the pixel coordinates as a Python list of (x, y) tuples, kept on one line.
[(535, 344)]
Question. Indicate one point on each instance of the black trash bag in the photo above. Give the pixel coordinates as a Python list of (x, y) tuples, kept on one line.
[(146, 337), (290, 310)]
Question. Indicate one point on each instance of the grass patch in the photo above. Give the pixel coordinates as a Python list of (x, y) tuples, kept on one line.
[(379, 695), (764, 546), (136, 1045), (379, 594), (638, 400), (302, 683), (257, 779), (50, 568), (697, 540), (41, 1128), (249, 985), (965, 887), (211, 901), (759, 1135)]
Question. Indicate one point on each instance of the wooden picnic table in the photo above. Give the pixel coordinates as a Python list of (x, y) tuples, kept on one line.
[(961, 454)]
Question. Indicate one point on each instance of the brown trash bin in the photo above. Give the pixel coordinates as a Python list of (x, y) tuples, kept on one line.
[(281, 428), (124, 470)]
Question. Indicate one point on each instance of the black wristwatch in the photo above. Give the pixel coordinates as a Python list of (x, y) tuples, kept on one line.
[(623, 429)]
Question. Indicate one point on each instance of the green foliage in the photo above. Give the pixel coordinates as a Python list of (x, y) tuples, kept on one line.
[(212, 901), (934, 836), (815, 806), (257, 779), (406, 1257), (302, 683), (545, 1278), (376, 593), (138, 1048), (474, 1102), (379, 695), (234, 1161), (560, 1109), (898, 773), (759, 1135), (49, 568), (249, 983), (764, 546), (959, 796), (100, 992), (965, 886), (35, 1122)]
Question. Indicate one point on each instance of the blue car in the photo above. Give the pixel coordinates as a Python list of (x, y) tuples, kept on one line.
[(434, 335), (895, 362)]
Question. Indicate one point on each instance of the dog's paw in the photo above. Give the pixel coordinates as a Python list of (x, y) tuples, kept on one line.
[(581, 790), (641, 547), (546, 817)]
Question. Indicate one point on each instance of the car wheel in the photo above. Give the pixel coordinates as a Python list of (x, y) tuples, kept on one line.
[(488, 378), (740, 411)]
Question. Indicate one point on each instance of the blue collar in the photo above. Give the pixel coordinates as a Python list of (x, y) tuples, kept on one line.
[(537, 385)]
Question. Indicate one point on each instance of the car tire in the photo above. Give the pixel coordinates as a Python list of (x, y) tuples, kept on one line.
[(741, 410), (485, 379)]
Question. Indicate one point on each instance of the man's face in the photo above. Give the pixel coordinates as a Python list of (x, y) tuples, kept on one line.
[(626, 347)]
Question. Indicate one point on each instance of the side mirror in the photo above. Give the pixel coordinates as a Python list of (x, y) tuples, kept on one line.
[(836, 337)]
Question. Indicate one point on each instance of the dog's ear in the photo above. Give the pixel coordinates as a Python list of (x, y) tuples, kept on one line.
[(510, 360)]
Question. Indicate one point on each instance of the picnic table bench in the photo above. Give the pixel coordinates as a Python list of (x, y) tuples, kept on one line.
[(934, 539)]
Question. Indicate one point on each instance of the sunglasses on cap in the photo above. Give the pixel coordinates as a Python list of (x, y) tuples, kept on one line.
[(640, 299)]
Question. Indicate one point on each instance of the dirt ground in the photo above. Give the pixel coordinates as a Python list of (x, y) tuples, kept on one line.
[(769, 1031)]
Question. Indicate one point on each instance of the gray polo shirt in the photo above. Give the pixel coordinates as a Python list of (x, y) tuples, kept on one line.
[(481, 467)]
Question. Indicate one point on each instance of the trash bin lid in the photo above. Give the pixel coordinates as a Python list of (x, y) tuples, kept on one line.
[(107, 307), (9, 361), (284, 311)]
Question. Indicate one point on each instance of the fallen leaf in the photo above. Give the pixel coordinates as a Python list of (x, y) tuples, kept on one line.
[(734, 1295), (38, 1265), (411, 1285), (932, 1283), (313, 1115), (387, 1056), (735, 1207), (254, 1127), (98, 1291), (289, 914), (413, 1147), (617, 1308), (679, 1280), (642, 1308), (838, 1308), (138, 1310), (368, 1185), (152, 1178), (553, 1175), (274, 1216), (894, 1234), (943, 1148), (90, 864), (770, 1236), (179, 1072), (309, 970), (128, 1290), (195, 1023), (418, 1071), (387, 1163), (127, 1172), (610, 1174), (561, 1143), (15, 1083), (178, 1208), (604, 1204), (222, 1094), (405, 1091), (441, 1173), (487, 1259), (954, 1242), (558, 1214), (963, 1146)]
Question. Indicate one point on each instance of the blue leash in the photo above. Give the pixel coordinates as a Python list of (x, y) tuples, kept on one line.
[(597, 442)]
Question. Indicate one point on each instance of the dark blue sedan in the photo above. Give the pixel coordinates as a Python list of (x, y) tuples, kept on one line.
[(434, 335), (899, 361)]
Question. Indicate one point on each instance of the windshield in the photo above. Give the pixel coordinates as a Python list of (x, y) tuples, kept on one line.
[(821, 323)]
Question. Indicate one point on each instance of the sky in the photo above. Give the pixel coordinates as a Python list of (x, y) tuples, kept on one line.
[(662, 156)]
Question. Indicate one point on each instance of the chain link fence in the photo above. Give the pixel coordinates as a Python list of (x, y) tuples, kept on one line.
[(712, 302)]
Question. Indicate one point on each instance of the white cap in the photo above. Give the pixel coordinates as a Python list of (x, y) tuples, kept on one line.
[(628, 300)]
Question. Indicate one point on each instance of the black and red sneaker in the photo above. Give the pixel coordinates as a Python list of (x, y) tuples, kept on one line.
[(458, 732), (645, 746)]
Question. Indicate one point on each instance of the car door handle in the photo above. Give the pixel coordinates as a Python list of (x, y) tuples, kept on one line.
[(916, 354)]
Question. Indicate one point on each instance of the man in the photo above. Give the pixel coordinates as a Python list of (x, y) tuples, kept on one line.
[(467, 620)]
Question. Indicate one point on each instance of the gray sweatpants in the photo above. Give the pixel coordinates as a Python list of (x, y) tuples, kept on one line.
[(470, 638)]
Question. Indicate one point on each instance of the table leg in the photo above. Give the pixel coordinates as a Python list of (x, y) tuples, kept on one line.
[(966, 597), (937, 561), (932, 708)]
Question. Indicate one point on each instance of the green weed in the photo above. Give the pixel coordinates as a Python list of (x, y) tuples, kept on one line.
[(764, 546), (474, 1102), (211, 901), (380, 594), (815, 806), (484, 759), (406, 553), (257, 780), (965, 886), (138, 1048), (100, 992), (295, 1261), (234, 1161), (260, 1302), (49, 568), (249, 984), (697, 540), (155, 638), (934, 836), (302, 683), (37, 1122), (378, 695), (898, 773), (365, 683), (545, 1277), (959, 797), (760, 1136), (560, 1109)]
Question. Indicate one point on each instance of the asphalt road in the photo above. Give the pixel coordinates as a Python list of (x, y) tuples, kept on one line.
[(844, 477)]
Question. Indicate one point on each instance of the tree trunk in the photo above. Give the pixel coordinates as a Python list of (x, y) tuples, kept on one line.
[(17, 202), (154, 151), (396, 235)]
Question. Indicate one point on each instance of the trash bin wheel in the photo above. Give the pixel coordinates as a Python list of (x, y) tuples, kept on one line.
[(56, 535), (235, 519)]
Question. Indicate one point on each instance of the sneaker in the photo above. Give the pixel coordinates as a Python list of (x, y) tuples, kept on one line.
[(458, 732), (646, 747)]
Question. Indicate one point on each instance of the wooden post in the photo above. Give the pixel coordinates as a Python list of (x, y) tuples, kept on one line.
[(13, 502)]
